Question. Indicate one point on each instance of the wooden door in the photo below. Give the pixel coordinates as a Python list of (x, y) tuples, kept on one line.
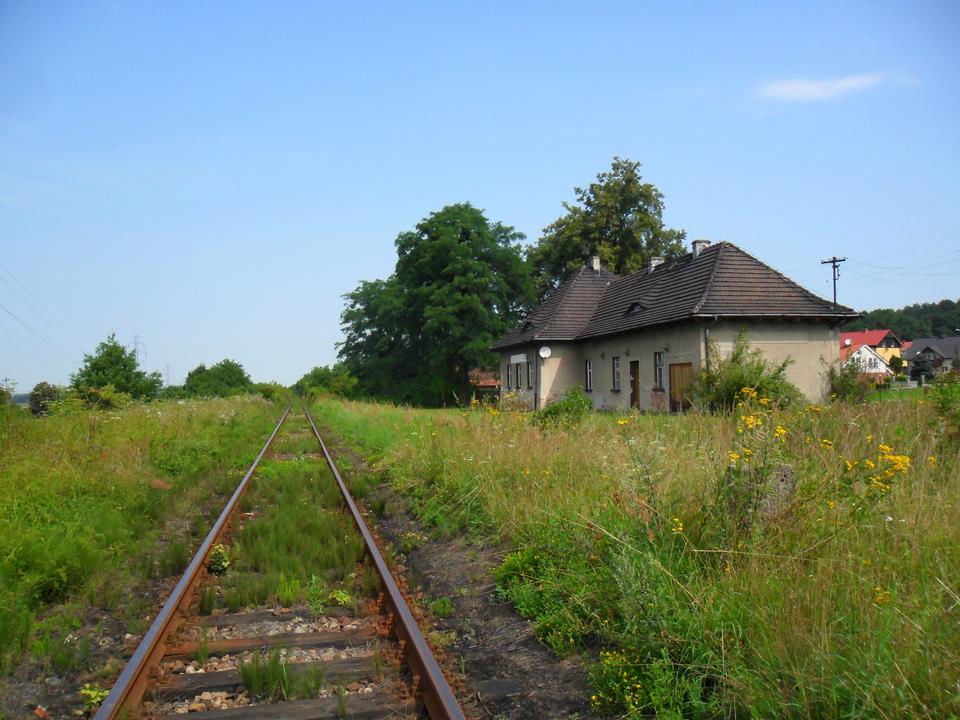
[(635, 383), (681, 378)]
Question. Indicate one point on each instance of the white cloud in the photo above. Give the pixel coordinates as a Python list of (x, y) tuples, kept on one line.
[(812, 90)]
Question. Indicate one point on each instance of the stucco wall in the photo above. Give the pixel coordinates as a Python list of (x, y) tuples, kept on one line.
[(812, 346), (679, 344)]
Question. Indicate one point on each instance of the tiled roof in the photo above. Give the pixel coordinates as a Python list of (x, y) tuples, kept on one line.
[(722, 280), (866, 337), (564, 313), (946, 347)]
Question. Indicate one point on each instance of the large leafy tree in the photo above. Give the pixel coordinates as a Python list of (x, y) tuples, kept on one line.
[(921, 320), (460, 281), (225, 378), (336, 380), (112, 364), (618, 218)]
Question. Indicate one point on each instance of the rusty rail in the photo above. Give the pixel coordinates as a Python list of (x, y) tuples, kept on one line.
[(129, 688), (437, 696)]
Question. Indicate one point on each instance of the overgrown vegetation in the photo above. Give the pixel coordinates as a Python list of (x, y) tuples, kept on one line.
[(772, 562), (848, 383), (568, 411), (717, 386), (84, 496)]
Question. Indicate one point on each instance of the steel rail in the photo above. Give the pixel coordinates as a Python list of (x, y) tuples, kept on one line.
[(129, 688), (437, 696)]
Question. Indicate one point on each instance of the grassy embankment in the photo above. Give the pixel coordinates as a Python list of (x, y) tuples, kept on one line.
[(645, 534), (86, 502)]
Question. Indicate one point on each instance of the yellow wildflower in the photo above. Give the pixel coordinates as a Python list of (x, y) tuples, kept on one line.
[(764, 401), (733, 456), (870, 464), (623, 421), (780, 432), (881, 596), (885, 449), (869, 438), (747, 452), (677, 526), (831, 504), (932, 460), (824, 443), (851, 465)]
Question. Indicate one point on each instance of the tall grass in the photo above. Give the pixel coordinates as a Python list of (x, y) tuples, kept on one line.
[(646, 534), (84, 497)]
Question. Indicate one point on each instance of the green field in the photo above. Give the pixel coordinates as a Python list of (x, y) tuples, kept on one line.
[(656, 538), (94, 504)]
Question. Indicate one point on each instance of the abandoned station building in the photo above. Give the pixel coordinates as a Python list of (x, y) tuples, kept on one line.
[(637, 340)]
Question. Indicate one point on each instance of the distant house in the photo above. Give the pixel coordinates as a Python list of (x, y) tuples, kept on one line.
[(885, 342), (638, 340), (869, 361), (943, 353), (484, 383)]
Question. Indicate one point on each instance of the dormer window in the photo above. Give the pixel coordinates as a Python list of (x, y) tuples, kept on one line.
[(635, 308)]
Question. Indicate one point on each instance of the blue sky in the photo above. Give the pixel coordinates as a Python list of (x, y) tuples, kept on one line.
[(213, 176)]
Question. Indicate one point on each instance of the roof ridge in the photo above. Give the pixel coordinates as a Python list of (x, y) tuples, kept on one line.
[(713, 274)]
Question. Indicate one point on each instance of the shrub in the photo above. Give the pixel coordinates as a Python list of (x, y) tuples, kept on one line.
[(716, 389), (848, 383), (42, 397), (568, 411), (945, 394)]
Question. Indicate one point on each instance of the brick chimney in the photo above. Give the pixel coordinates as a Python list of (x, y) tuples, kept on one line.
[(595, 262), (654, 262), (699, 246)]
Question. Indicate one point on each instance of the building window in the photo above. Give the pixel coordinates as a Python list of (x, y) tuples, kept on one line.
[(658, 370), (530, 376), (518, 376), (509, 376), (616, 373), (588, 376)]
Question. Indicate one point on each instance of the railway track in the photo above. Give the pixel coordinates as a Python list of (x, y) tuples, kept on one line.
[(272, 623)]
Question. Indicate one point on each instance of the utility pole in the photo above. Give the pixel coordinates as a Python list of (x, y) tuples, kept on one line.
[(835, 263)]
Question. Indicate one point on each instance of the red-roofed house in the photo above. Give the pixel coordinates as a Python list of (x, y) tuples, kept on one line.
[(884, 342)]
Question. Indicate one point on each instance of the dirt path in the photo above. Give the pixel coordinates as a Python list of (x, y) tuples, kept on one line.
[(508, 674)]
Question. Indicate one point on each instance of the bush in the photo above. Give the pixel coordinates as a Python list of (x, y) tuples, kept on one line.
[(567, 412), (848, 383), (717, 388), (42, 397), (945, 394)]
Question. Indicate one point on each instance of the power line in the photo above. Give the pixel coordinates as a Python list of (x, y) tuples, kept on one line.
[(53, 349), (39, 314), (40, 302)]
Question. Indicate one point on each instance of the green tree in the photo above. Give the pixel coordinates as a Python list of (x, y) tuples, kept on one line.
[(336, 380), (618, 218), (225, 378), (896, 363), (921, 368), (459, 283), (940, 319), (41, 397), (112, 364)]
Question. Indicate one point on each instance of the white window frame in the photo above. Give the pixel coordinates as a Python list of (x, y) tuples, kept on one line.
[(615, 370), (588, 375), (658, 370)]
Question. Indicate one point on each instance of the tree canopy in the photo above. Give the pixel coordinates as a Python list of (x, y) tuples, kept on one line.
[(459, 283), (335, 380), (618, 218), (112, 364), (940, 319), (225, 378)]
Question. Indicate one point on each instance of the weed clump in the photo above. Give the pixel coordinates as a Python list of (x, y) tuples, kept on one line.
[(568, 411), (716, 389)]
